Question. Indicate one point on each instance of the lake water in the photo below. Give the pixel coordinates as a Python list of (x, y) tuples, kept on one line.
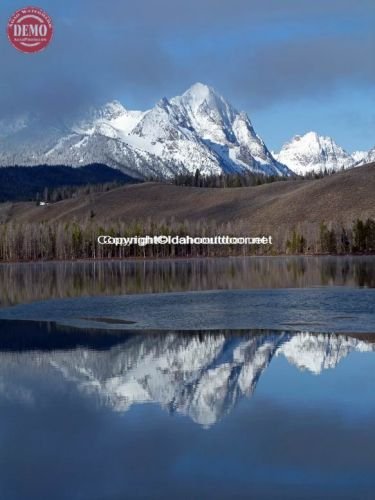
[(227, 378)]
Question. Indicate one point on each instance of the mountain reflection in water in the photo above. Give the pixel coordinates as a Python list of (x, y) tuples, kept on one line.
[(202, 375)]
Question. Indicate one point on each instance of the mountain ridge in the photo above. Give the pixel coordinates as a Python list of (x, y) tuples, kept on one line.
[(197, 130)]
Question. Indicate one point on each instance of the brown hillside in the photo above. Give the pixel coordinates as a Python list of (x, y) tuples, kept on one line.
[(342, 197)]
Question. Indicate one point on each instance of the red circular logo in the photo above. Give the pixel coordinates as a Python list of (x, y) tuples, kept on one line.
[(30, 29)]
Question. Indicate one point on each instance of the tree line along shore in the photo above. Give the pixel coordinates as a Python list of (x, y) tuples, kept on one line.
[(78, 240)]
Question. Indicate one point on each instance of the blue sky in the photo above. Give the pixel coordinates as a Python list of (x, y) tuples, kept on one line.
[(293, 65)]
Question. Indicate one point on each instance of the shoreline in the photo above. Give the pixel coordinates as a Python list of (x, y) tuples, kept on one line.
[(181, 259), (121, 334)]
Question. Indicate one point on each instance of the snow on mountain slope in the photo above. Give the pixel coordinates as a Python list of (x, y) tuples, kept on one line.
[(311, 152), (196, 130), (208, 113), (200, 377), (218, 123), (368, 158), (111, 116), (359, 155), (82, 149)]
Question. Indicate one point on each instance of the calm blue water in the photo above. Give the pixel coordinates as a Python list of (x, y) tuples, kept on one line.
[(336, 309), (186, 415), (254, 393)]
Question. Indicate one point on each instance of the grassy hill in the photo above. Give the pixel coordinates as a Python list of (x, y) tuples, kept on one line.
[(340, 198), (334, 214)]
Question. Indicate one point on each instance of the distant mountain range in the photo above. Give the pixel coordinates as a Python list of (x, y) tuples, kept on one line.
[(197, 130), (203, 378)]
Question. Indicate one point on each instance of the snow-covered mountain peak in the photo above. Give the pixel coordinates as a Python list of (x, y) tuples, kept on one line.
[(199, 88), (111, 120), (311, 136), (199, 93), (197, 130), (359, 155), (205, 107), (369, 157), (111, 110), (310, 139), (107, 112), (312, 152)]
